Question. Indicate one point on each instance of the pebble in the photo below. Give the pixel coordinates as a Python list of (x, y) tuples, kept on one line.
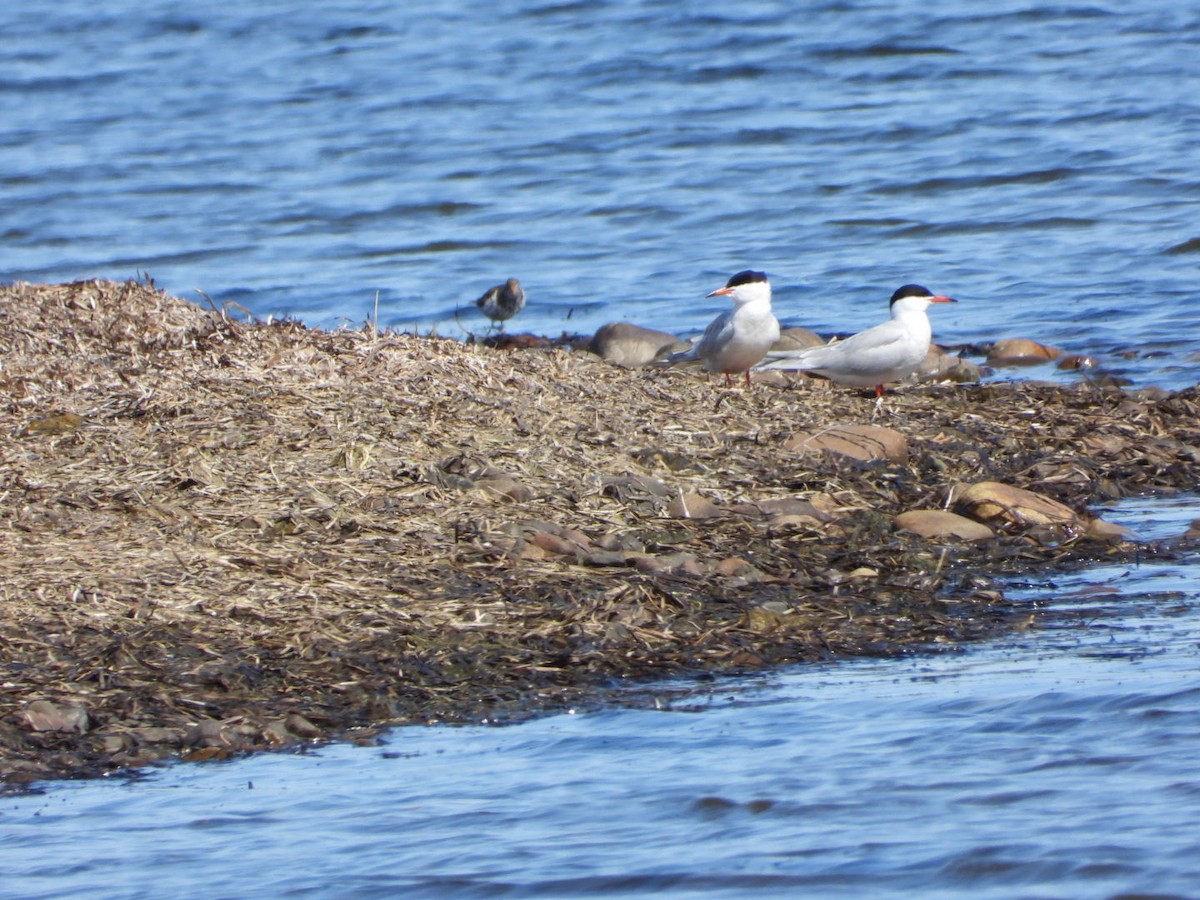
[(570, 535), (59, 423), (533, 552), (552, 543), (276, 732), (621, 541), (1107, 532), (647, 564), (732, 567), (761, 620), (45, 715), (785, 521), (506, 341), (605, 558), (155, 734), (779, 507), (682, 562), (505, 486), (774, 377), (637, 487), (692, 506)]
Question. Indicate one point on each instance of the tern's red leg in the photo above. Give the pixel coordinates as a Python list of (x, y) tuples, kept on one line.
[(747, 378), (878, 390)]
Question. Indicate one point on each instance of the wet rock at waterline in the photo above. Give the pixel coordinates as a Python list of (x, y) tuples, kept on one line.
[(1021, 352), (1076, 361), (938, 365), (1107, 532), (1013, 508)]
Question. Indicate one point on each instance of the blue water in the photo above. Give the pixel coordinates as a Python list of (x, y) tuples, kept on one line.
[(622, 158), (1062, 761)]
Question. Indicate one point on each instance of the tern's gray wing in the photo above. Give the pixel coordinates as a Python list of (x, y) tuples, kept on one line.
[(868, 351), (715, 336), (718, 333)]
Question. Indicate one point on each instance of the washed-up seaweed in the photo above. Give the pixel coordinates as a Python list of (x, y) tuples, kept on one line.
[(219, 535)]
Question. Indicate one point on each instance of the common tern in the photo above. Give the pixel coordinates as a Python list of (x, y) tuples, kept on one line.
[(739, 337), (888, 352), (502, 301)]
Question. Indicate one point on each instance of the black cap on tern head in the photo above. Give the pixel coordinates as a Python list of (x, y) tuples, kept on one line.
[(911, 290), (749, 276)]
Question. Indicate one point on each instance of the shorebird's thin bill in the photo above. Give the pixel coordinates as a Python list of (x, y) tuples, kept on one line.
[(940, 299), (721, 292)]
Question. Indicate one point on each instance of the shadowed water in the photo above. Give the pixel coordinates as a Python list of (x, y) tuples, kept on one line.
[(621, 159), (1060, 761)]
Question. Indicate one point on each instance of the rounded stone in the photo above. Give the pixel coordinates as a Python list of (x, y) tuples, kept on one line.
[(1021, 352), (629, 345), (941, 523), (862, 442), (1013, 507)]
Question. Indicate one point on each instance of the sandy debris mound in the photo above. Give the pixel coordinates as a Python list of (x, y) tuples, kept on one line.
[(220, 536)]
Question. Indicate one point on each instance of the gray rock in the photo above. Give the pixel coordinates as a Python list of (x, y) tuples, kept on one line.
[(797, 338), (629, 345), (938, 365)]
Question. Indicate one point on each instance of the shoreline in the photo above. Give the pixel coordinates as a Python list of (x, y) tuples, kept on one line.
[(226, 537)]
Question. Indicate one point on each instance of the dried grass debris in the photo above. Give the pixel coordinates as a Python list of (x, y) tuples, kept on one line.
[(222, 535)]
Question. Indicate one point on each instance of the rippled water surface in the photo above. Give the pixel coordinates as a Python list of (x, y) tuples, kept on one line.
[(1038, 161), (1060, 762)]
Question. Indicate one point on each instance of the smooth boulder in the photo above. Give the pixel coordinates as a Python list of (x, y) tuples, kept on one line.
[(629, 345), (938, 365), (941, 523), (1013, 508), (862, 442), (1021, 352)]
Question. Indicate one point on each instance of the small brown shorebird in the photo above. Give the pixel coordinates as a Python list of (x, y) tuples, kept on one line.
[(502, 301)]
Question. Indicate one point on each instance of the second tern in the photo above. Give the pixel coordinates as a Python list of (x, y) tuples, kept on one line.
[(890, 351)]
